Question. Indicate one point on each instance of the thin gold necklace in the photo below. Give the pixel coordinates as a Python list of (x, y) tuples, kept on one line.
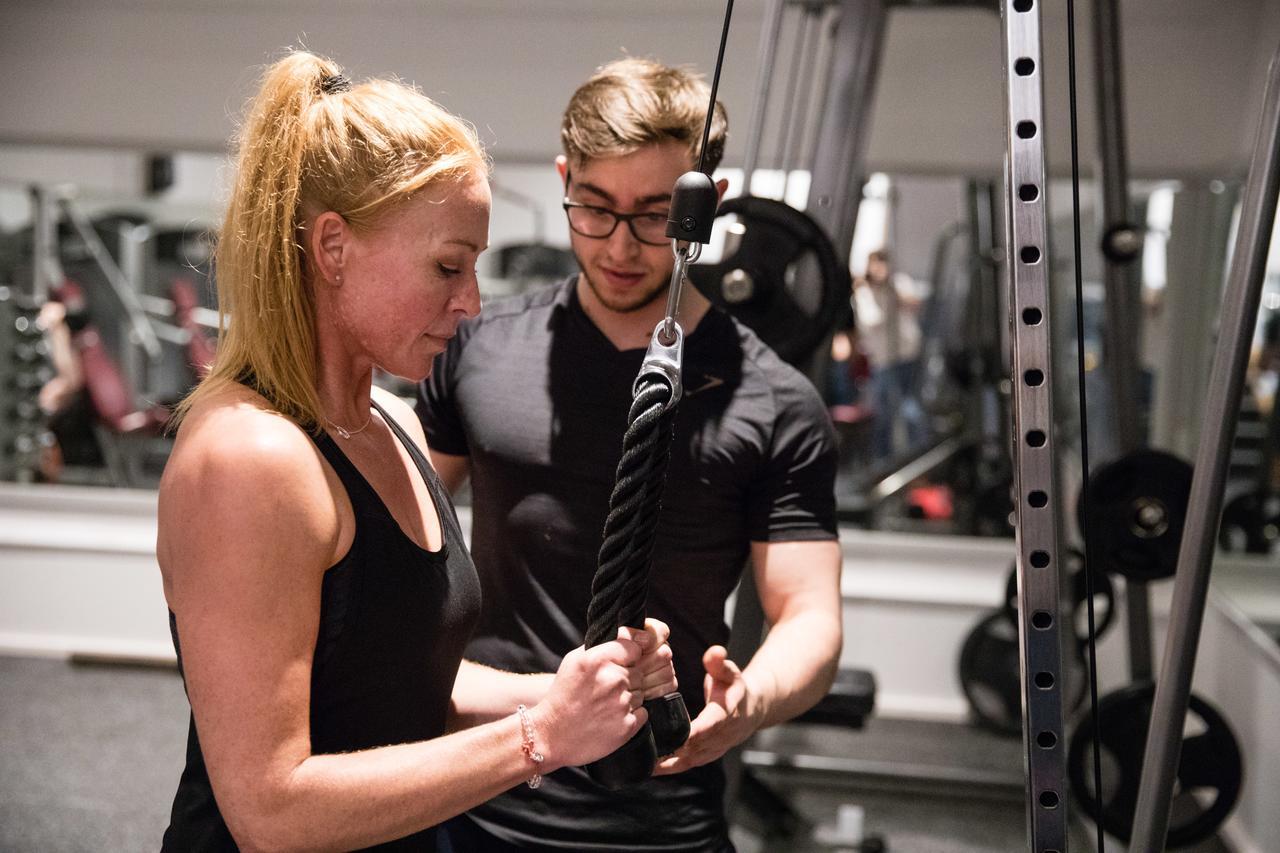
[(347, 433)]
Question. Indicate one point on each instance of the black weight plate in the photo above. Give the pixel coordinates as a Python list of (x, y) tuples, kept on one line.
[(1211, 767), (1104, 605), (1104, 593), (798, 284), (1250, 524), (991, 676), (1137, 508)]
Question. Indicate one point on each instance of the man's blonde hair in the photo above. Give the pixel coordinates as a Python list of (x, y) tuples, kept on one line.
[(313, 142), (630, 103)]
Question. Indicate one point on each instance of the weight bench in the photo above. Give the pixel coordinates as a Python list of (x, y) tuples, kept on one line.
[(127, 435), (848, 704), (850, 701)]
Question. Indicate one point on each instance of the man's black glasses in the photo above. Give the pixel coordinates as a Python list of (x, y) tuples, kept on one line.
[(600, 222)]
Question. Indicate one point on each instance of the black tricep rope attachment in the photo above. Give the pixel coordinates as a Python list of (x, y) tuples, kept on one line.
[(618, 590)]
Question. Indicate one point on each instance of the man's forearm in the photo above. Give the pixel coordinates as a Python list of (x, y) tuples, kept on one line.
[(795, 665), (482, 694)]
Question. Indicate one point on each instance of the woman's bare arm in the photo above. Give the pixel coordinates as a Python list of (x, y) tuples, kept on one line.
[(248, 524)]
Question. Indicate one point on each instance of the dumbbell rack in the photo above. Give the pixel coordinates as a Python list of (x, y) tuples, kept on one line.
[(24, 368)]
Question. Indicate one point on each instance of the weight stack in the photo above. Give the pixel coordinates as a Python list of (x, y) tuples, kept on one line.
[(24, 369)]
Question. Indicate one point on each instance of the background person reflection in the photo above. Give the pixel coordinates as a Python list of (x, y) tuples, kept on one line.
[(887, 308)]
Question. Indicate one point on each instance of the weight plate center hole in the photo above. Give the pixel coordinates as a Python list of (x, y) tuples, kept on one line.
[(1150, 518)]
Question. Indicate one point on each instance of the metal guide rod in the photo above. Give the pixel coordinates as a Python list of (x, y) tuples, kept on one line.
[(789, 94), (133, 242), (988, 416), (1123, 287), (764, 76), (822, 86), (120, 284), (46, 269), (839, 160), (1137, 602), (987, 318), (1122, 246), (811, 41), (1221, 411), (1041, 614)]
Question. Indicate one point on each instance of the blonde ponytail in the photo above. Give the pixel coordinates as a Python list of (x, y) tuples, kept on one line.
[(313, 142)]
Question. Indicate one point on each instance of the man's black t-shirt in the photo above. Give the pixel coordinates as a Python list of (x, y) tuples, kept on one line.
[(535, 394)]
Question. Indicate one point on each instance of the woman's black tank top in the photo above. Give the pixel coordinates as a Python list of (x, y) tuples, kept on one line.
[(394, 619)]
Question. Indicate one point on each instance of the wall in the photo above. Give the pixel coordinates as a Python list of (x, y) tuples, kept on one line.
[(173, 74), (109, 179), (95, 86), (78, 573)]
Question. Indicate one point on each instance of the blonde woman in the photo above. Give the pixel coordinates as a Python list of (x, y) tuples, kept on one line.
[(319, 589)]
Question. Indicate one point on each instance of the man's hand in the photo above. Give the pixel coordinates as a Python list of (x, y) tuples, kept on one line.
[(654, 675), (732, 714)]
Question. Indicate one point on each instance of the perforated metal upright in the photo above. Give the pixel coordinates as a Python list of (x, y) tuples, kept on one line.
[(1042, 617)]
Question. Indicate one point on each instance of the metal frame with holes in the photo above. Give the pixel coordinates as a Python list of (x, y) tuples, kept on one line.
[(1041, 614)]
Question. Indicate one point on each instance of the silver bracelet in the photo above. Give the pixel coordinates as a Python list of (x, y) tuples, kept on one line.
[(527, 747)]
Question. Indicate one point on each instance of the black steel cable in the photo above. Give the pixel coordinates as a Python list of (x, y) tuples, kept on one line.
[(715, 84), (1084, 424)]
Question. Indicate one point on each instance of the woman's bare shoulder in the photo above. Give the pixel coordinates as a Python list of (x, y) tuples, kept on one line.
[(239, 469), (234, 433)]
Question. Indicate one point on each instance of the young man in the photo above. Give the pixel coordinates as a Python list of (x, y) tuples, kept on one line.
[(531, 401)]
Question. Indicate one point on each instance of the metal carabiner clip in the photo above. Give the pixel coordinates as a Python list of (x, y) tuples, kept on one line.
[(664, 360), (686, 254)]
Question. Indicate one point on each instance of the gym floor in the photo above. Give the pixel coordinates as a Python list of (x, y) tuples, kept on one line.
[(91, 755)]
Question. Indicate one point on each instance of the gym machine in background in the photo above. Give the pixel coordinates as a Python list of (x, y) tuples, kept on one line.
[(781, 275), (133, 334), (785, 274), (24, 369), (1165, 744), (1136, 511), (530, 264), (1136, 504), (784, 271), (1132, 511), (1037, 502)]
